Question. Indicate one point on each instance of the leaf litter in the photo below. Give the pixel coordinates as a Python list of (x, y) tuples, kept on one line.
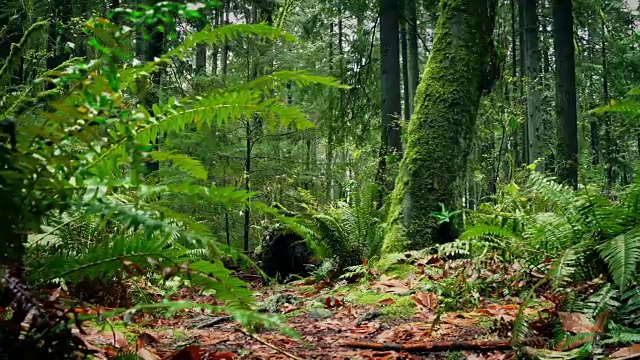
[(327, 319)]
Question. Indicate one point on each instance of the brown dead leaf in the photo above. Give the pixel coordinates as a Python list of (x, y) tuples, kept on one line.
[(145, 339), (576, 323), (627, 351), (426, 300), (332, 302), (492, 356), (459, 319), (387, 301), (391, 287), (108, 338), (146, 354), (366, 328)]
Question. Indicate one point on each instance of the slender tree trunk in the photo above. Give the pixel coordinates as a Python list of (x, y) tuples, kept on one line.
[(217, 20), (441, 129), (405, 74), (201, 53), (609, 142), (514, 73), (391, 148), (532, 67), (59, 35), (523, 129), (153, 50), (330, 130), (594, 128), (247, 183), (225, 46), (566, 110), (413, 68)]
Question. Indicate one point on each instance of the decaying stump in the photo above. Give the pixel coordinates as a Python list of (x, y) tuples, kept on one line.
[(284, 253)]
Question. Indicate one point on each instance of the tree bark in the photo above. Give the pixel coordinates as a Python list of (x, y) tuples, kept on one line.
[(522, 129), (152, 51), (532, 68), (609, 143), (412, 44), (405, 74), (391, 108), (225, 46), (566, 111), (201, 53), (441, 129)]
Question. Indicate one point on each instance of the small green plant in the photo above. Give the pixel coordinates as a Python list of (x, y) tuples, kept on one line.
[(348, 233)]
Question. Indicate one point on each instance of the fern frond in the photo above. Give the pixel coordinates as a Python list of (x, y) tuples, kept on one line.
[(208, 36), (564, 267), (192, 166), (103, 260), (480, 230), (622, 255)]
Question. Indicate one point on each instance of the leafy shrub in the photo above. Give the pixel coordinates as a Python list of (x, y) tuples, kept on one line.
[(346, 233), (576, 237)]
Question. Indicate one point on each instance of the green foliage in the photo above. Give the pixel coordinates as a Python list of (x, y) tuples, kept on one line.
[(583, 236), (78, 166), (348, 233)]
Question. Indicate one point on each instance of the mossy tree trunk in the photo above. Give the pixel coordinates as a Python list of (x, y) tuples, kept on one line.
[(442, 126)]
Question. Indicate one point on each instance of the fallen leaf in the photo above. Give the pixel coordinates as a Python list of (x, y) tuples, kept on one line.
[(332, 302), (145, 339), (391, 286), (109, 338), (387, 301), (626, 351), (576, 323), (191, 352), (426, 300), (458, 319), (366, 329), (145, 354)]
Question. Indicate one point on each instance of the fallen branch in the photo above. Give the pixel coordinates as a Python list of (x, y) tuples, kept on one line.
[(284, 352), (433, 346)]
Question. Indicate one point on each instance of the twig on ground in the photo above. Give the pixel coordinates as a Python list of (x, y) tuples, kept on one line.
[(478, 345), (213, 321), (284, 352)]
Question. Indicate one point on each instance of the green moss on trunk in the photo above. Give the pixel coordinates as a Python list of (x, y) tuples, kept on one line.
[(442, 126)]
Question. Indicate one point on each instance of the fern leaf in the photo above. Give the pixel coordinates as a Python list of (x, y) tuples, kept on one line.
[(564, 267), (184, 162), (622, 254)]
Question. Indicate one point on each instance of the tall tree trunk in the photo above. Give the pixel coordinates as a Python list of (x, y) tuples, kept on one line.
[(517, 139), (441, 129), (153, 50), (523, 131), (225, 46), (608, 139), (201, 53), (217, 21), (412, 44), (330, 131), (594, 128), (247, 183), (566, 110), (405, 74), (59, 35), (532, 68), (390, 86)]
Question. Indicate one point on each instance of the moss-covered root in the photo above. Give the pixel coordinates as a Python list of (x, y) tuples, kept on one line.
[(441, 129)]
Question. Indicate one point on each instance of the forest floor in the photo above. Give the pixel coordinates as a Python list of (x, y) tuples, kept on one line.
[(417, 302)]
